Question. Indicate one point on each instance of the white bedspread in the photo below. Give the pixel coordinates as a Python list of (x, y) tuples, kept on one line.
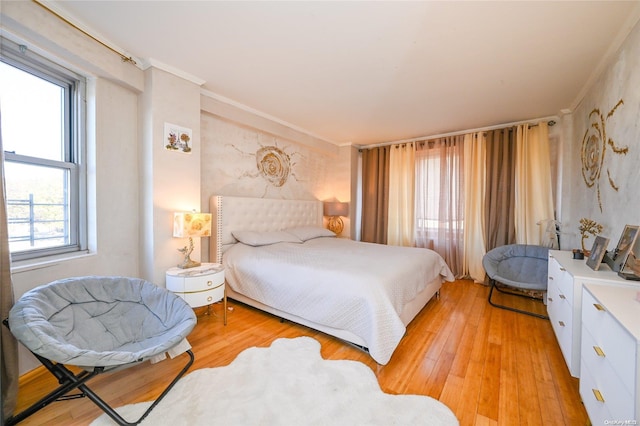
[(360, 287)]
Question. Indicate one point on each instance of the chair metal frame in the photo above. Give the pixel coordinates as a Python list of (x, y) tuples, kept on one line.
[(509, 308), (70, 381)]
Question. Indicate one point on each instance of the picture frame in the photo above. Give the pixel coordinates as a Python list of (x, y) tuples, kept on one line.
[(631, 267), (597, 252), (625, 243)]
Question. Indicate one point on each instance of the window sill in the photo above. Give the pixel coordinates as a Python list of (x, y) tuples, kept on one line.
[(47, 262)]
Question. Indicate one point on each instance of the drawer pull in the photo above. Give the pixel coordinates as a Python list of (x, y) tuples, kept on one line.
[(562, 296), (598, 395), (550, 299), (551, 278), (209, 299), (562, 269), (599, 351), (561, 323), (599, 307), (209, 283)]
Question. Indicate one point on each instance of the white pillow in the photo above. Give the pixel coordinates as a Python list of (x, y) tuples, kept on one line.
[(256, 238), (305, 233)]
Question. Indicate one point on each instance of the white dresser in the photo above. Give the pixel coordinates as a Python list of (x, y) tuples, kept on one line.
[(610, 354), (564, 299)]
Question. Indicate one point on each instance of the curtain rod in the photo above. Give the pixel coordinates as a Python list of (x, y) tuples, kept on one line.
[(551, 121), (124, 57)]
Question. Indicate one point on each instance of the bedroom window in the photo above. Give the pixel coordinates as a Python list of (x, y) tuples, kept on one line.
[(42, 126)]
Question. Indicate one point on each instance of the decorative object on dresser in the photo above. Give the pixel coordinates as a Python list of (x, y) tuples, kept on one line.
[(335, 209), (519, 266), (190, 224), (631, 268), (610, 354), (289, 383), (199, 286), (625, 245), (597, 252), (588, 226)]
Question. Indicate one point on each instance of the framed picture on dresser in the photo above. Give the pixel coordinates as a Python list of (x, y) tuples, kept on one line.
[(597, 252), (630, 269), (626, 242)]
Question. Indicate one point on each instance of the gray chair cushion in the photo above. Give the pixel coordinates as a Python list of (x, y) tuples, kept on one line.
[(100, 321), (518, 265)]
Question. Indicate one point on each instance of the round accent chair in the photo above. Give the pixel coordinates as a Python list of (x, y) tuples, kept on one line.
[(99, 324), (519, 266)]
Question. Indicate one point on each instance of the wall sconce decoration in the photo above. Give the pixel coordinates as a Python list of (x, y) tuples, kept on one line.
[(335, 209), (190, 224)]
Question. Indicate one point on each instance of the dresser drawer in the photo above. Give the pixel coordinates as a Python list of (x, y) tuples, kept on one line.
[(598, 410), (606, 378), (618, 346), (561, 318), (561, 279)]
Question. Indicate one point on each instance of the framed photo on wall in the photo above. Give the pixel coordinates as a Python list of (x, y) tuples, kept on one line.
[(597, 252), (626, 242)]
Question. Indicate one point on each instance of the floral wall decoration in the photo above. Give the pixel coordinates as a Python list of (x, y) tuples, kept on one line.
[(177, 138), (594, 148)]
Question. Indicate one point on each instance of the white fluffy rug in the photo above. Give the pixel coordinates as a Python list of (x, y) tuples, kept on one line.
[(288, 383)]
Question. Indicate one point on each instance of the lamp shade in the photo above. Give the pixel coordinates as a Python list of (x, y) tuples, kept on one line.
[(186, 224), (336, 208)]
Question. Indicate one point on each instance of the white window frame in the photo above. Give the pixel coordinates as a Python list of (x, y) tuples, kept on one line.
[(74, 86)]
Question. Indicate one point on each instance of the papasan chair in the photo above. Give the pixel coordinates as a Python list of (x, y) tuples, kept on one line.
[(519, 266), (100, 324)]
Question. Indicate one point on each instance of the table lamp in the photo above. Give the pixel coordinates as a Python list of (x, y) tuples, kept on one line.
[(186, 224), (335, 209)]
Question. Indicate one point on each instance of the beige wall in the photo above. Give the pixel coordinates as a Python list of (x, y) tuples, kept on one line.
[(614, 208), (134, 184)]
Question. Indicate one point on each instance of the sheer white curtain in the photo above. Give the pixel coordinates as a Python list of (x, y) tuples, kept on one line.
[(401, 195), (439, 206), (534, 200), (475, 182)]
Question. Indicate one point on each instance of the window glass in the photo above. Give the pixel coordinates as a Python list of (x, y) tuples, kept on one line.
[(42, 126), (32, 114)]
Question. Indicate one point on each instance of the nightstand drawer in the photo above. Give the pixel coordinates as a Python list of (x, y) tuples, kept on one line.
[(203, 298)]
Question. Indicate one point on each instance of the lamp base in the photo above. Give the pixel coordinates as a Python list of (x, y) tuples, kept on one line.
[(335, 225), (188, 263)]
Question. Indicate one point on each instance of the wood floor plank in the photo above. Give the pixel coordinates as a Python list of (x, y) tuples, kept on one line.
[(490, 366)]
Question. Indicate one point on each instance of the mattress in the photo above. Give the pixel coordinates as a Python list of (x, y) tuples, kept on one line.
[(338, 283)]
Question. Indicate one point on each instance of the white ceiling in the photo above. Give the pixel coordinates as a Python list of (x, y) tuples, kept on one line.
[(368, 72)]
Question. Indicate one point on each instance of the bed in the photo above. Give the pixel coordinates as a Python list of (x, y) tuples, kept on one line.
[(279, 259)]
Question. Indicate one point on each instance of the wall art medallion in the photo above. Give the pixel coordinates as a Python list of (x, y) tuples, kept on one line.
[(273, 164), (594, 149)]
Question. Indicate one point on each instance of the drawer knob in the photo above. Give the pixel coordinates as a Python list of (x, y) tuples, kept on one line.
[(599, 351), (599, 307), (562, 296), (209, 299), (561, 323), (209, 283), (598, 395)]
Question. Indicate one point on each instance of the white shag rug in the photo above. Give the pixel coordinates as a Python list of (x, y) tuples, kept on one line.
[(288, 383)]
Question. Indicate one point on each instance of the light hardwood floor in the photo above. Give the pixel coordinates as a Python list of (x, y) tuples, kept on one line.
[(489, 365)]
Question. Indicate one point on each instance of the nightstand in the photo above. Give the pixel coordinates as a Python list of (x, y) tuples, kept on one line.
[(199, 286)]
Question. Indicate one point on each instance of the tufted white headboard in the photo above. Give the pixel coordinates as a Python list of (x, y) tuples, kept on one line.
[(256, 214)]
